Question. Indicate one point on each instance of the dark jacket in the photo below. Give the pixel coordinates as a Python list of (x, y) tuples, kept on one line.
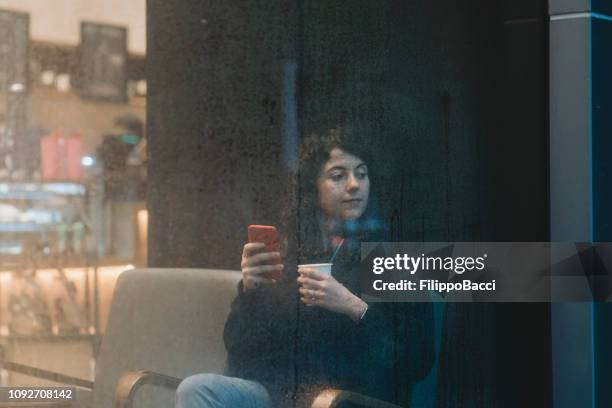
[(296, 351)]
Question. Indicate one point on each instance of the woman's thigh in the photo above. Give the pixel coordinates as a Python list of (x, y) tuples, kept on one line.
[(218, 391)]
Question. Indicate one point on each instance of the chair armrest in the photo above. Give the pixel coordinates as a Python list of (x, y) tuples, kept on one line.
[(45, 374), (130, 382), (332, 398), (84, 398)]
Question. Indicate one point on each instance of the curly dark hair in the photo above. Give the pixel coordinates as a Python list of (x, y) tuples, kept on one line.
[(302, 213)]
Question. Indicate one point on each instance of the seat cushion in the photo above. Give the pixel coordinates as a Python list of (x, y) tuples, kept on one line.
[(164, 320)]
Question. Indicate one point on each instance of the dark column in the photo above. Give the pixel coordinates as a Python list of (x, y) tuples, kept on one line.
[(522, 149), (581, 189), (465, 114), (523, 330), (215, 72), (601, 128)]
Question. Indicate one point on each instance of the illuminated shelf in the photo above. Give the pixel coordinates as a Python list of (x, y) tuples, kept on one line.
[(26, 227), (49, 337), (40, 191)]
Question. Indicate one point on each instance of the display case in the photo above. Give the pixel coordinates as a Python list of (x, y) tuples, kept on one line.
[(48, 263)]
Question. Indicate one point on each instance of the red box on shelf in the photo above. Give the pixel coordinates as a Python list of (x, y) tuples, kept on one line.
[(61, 156)]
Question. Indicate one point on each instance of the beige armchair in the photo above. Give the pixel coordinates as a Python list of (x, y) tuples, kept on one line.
[(164, 325)]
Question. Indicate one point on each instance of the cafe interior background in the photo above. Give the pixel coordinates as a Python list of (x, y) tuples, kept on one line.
[(72, 175)]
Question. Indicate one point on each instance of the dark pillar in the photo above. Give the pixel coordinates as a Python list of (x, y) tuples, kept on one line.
[(581, 188), (522, 149), (523, 330), (601, 128), (215, 72)]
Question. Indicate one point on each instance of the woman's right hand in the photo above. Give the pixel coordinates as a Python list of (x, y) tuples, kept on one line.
[(256, 263)]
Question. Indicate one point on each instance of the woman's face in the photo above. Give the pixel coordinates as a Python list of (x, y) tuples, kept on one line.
[(343, 186)]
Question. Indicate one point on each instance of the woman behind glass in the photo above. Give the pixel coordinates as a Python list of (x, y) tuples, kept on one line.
[(290, 339)]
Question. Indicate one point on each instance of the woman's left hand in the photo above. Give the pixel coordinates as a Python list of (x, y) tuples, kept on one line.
[(325, 291)]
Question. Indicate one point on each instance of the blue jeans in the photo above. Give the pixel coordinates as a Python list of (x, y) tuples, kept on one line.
[(219, 391)]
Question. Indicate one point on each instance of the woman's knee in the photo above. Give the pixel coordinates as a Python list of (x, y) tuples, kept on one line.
[(214, 390), (197, 387)]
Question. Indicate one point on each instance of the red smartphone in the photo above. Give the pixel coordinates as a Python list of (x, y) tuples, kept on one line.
[(268, 235)]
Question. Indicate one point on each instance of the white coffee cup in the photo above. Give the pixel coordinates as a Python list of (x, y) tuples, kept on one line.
[(322, 268)]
